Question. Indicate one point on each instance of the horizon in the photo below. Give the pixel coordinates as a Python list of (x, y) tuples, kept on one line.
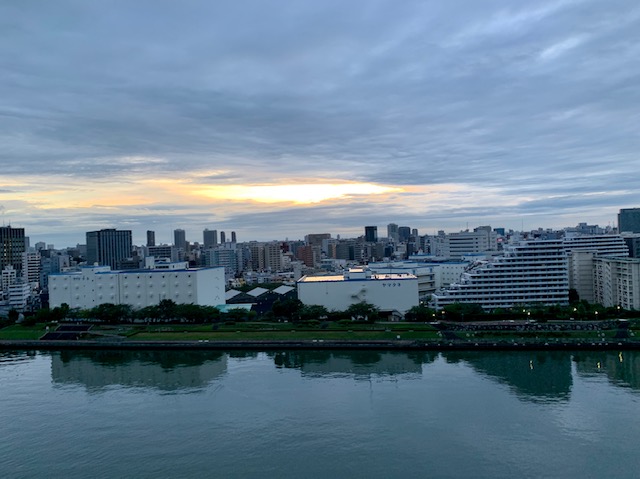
[(358, 232)]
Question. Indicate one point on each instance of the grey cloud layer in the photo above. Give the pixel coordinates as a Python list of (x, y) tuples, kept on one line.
[(535, 97)]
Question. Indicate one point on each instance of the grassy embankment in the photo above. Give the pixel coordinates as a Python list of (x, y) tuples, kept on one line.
[(260, 331), (240, 332)]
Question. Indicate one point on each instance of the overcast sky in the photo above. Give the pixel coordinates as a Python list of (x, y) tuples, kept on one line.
[(281, 118)]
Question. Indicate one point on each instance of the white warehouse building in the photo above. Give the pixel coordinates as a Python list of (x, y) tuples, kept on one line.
[(94, 285), (389, 292)]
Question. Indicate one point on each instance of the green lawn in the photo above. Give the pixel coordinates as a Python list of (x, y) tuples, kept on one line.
[(279, 335), (17, 331), (291, 331)]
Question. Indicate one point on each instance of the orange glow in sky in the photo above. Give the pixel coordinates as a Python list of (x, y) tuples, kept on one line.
[(294, 193)]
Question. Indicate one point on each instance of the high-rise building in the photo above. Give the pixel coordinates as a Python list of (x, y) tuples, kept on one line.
[(392, 232), (31, 267), (12, 245), (403, 233), (457, 245), (107, 247), (151, 238), (209, 238), (309, 255), (223, 237), (629, 220), (233, 237), (225, 257), (266, 256), (616, 282), (371, 234), (180, 239)]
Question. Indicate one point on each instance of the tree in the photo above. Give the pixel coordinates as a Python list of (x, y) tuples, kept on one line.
[(574, 297), (13, 315), (167, 309), (111, 313), (363, 311), (288, 309), (313, 311), (464, 311), (420, 313)]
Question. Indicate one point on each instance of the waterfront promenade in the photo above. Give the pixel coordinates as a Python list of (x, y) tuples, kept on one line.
[(503, 335)]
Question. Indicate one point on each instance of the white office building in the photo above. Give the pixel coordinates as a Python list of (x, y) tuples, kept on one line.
[(389, 292), (529, 272), (31, 268), (19, 296), (457, 245), (94, 285)]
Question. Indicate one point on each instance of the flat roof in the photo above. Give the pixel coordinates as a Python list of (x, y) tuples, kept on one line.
[(341, 278)]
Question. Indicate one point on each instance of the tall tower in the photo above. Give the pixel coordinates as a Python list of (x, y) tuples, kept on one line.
[(403, 234), (151, 238), (180, 239), (629, 220), (392, 232), (223, 237), (209, 238), (233, 237), (12, 245), (107, 247), (371, 234)]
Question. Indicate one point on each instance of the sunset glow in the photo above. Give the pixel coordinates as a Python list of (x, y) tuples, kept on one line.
[(294, 193)]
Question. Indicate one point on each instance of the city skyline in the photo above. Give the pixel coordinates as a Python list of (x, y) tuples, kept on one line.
[(310, 118)]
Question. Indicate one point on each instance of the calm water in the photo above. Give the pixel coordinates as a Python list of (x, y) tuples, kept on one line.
[(319, 414)]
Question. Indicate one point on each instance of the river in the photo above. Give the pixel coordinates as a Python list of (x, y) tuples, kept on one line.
[(317, 414)]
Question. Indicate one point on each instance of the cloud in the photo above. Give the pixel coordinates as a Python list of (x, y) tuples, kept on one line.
[(468, 111)]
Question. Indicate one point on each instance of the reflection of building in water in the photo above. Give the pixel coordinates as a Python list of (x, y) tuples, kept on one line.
[(165, 370), (621, 368), (12, 357), (533, 375), (356, 363)]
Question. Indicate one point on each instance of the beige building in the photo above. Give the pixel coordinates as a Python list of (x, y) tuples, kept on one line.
[(617, 282)]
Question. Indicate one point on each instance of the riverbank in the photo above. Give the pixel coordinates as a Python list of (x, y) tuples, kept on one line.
[(264, 345), (506, 335)]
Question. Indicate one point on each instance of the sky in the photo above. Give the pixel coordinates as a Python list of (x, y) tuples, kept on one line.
[(276, 119)]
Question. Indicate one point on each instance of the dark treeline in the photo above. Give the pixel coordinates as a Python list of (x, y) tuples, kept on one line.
[(294, 310)]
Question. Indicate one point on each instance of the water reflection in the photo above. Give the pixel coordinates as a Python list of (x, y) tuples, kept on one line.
[(533, 375), (11, 357), (164, 370), (359, 364), (620, 368)]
